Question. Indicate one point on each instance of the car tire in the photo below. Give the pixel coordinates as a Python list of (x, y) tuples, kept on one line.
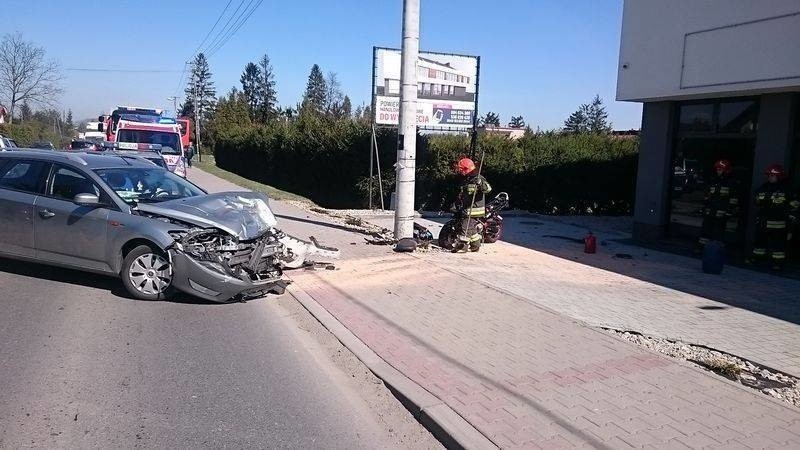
[(147, 273)]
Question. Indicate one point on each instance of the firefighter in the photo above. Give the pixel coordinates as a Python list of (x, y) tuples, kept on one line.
[(472, 201), (776, 209), (721, 203)]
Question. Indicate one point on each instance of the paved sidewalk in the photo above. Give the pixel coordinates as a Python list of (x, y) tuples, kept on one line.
[(525, 376), (746, 313)]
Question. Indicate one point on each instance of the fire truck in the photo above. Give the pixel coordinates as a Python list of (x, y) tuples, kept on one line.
[(186, 130), (148, 129), (110, 122)]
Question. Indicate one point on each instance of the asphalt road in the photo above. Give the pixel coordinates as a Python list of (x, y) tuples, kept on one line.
[(84, 365)]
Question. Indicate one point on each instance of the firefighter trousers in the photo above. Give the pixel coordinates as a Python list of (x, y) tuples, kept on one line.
[(770, 243), (713, 228)]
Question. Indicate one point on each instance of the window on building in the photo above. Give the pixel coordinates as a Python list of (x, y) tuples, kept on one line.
[(437, 89), (696, 117), (706, 133), (431, 73), (738, 117)]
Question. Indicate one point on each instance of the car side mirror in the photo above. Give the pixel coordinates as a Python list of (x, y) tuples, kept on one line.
[(86, 200)]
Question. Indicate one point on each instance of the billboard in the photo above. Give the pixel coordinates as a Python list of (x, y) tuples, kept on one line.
[(447, 92)]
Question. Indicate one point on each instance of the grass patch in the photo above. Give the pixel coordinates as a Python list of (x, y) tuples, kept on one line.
[(209, 165)]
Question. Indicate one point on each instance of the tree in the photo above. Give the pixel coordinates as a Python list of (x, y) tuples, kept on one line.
[(315, 97), (597, 117), (25, 74), (333, 96), (517, 122), (201, 88), (491, 119), (578, 122), (347, 108), (250, 79), (68, 124), (268, 96), (25, 112), (230, 113)]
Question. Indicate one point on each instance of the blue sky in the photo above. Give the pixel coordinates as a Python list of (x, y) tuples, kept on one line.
[(539, 58)]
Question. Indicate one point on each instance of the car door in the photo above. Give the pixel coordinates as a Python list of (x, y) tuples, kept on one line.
[(67, 233), (21, 181)]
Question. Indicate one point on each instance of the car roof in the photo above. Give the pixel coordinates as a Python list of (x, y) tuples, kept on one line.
[(89, 160)]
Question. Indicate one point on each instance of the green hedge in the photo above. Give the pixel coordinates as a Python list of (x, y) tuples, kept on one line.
[(328, 162), (27, 133)]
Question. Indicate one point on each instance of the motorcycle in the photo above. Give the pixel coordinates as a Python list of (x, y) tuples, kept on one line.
[(490, 227)]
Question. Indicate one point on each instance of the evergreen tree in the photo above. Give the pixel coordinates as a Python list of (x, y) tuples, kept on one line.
[(230, 113), (347, 108), (200, 87), (597, 117), (250, 79), (517, 122), (268, 96), (491, 120), (69, 125), (578, 122), (315, 97)]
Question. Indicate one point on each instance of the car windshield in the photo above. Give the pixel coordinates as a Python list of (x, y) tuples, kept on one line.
[(147, 185), (170, 142), (82, 144)]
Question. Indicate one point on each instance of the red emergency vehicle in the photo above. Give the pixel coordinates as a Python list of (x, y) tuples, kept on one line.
[(186, 130), (154, 130), (111, 121)]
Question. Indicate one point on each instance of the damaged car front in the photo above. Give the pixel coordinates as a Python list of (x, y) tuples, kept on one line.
[(229, 246), (219, 247)]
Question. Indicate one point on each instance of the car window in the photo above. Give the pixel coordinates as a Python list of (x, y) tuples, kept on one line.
[(150, 185), (67, 183), (25, 176)]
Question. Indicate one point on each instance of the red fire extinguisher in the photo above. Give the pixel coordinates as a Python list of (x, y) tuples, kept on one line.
[(590, 243)]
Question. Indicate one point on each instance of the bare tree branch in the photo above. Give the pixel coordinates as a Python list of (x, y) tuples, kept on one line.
[(26, 75)]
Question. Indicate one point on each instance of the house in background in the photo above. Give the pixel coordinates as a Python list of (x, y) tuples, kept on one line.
[(509, 132), (717, 79)]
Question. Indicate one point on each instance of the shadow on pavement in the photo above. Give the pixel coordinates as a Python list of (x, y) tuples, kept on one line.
[(76, 277), (759, 292)]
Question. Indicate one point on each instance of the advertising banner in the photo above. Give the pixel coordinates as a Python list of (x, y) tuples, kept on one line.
[(446, 89)]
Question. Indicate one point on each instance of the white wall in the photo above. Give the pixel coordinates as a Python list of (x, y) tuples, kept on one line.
[(679, 49)]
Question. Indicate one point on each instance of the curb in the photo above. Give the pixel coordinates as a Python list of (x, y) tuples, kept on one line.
[(446, 425)]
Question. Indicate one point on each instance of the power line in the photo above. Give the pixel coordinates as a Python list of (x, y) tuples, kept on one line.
[(233, 31), (213, 27), (98, 69), (224, 28)]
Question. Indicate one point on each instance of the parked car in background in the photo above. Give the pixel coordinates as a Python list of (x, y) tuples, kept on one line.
[(123, 216), (43, 145), (7, 143), (84, 144)]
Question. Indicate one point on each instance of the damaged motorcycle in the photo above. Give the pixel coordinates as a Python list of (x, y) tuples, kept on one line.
[(490, 227)]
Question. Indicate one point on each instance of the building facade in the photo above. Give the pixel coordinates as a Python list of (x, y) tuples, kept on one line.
[(718, 79)]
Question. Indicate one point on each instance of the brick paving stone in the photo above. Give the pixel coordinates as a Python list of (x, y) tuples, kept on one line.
[(456, 345)]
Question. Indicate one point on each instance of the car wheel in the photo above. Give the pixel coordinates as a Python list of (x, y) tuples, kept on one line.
[(147, 273)]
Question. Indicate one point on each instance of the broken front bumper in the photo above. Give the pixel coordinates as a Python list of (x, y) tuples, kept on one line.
[(201, 280)]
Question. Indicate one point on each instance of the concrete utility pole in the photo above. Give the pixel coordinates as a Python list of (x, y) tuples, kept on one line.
[(174, 101), (407, 138), (196, 122)]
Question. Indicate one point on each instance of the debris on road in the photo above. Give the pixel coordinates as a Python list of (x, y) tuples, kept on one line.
[(769, 381)]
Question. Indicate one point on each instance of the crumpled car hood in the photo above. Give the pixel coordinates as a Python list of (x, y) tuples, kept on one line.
[(246, 215)]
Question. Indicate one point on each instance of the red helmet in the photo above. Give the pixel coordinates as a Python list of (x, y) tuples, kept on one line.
[(724, 165), (465, 166), (775, 169)]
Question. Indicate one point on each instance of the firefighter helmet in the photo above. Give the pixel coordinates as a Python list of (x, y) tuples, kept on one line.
[(775, 169), (465, 166), (724, 165)]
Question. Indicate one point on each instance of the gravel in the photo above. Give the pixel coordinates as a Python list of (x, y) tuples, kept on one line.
[(770, 382)]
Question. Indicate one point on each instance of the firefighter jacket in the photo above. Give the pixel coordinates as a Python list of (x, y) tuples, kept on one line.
[(776, 207), (722, 198), (474, 187)]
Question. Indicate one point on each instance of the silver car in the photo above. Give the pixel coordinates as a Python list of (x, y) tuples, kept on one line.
[(158, 232)]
